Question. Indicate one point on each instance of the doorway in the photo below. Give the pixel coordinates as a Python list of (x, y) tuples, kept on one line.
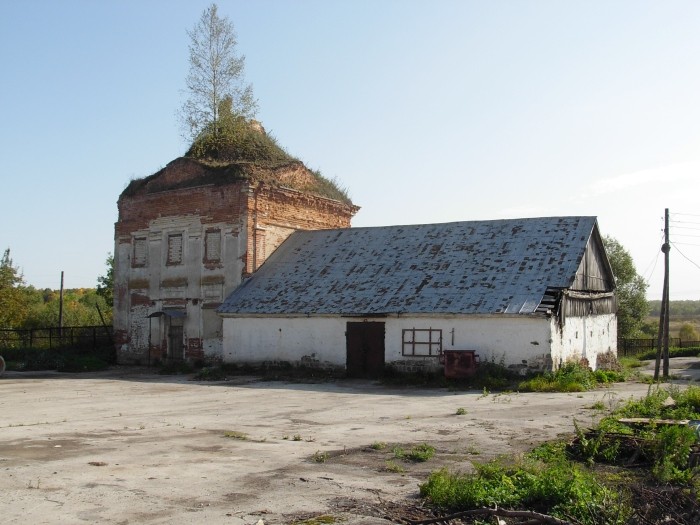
[(365, 349), (175, 345)]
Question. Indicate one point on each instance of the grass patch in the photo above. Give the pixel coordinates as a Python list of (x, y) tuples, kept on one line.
[(566, 490), (616, 474), (461, 411), (392, 466), (378, 445), (418, 453), (571, 377)]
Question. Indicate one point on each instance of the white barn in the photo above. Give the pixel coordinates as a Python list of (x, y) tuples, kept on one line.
[(528, 293)]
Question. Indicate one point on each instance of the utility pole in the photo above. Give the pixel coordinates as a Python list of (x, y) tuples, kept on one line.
[(60, 308), (662, 340)]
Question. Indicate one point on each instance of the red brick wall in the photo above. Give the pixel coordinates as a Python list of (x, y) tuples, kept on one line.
[(282, 208)]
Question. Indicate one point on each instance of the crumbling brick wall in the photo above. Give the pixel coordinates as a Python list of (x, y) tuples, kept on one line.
[(250, 219)]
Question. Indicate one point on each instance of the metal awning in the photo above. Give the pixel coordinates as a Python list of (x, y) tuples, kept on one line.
[(167, 312)]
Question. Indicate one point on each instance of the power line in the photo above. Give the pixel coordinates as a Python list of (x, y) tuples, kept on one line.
[(686, 214), (654, 262), (686, 258), (687, 244), (687, 227)]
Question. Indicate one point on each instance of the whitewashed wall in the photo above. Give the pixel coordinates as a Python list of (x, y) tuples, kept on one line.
[(320, 341), (517, 341), (584, 337)]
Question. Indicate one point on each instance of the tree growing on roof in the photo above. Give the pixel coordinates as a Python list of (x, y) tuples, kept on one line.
[(216, 74), (631, 289)]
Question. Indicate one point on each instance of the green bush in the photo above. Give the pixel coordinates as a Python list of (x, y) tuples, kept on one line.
[(565, 489), (672, 352)]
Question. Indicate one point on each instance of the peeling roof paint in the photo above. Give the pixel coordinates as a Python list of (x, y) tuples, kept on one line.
[(475, 267)]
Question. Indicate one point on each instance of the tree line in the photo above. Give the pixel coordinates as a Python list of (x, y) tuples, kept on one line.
[(23, 306), (676, 308)]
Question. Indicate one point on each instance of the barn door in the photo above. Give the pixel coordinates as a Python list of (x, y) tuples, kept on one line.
[(365, 349)]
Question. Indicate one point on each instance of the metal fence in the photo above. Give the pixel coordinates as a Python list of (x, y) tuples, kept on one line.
[(84, 338), (627, 347)]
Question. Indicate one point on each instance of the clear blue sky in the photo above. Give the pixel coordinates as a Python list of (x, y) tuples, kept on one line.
[(427, 112)]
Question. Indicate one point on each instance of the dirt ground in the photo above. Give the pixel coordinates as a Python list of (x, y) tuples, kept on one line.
[(129, 446)]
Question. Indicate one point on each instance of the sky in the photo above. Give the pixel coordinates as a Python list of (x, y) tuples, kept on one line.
[(426, 112)]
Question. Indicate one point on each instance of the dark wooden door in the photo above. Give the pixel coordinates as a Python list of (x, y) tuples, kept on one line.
[(175, 345), (365, 349)]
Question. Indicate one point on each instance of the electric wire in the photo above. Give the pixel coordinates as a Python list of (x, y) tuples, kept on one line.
[(686, 214), (685, 257), (651, 274), (687, 244)]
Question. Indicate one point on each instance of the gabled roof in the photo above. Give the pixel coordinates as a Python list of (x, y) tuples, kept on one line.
[(476, 267)]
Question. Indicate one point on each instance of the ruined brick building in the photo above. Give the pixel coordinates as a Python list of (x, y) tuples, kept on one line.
[(187, 235)]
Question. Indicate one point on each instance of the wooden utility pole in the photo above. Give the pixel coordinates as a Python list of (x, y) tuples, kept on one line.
[(662, 340)]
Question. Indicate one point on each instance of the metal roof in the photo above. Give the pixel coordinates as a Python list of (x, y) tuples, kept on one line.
[(476, 267)]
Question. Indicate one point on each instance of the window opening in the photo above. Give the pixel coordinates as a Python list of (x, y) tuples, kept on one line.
[(212, 246), (421, 342), (175, 248), (140, 256)]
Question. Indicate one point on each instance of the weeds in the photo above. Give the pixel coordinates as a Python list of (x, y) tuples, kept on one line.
[(234, 434), (570, 377), (419, 453), (378, 445), (569, 490), (658, 438), (320, 457), (392, 466), (460, 411)]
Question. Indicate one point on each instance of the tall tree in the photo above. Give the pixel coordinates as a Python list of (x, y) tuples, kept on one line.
[(632, 305), (13, 306), (216, 73)]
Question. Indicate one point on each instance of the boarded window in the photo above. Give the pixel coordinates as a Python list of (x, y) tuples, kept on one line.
[(140, 256), (421, 342), (212, 246), (175, 248)]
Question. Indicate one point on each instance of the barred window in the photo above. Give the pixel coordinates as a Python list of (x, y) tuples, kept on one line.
[(421, 342)]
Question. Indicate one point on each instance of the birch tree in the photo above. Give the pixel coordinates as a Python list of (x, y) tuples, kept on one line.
[(216, 74)]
